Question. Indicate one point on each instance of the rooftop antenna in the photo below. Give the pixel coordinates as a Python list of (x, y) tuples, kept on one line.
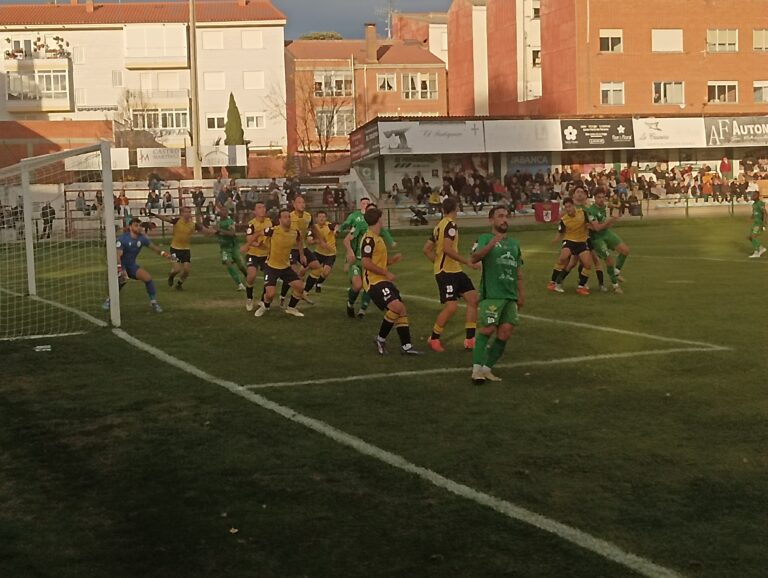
[(386, 13)]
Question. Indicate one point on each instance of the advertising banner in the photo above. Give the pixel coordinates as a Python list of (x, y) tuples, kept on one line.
[(158, 157), (428, 167), (522, 135), (736, 131), (663, 133), (364, 143), (531, 163), (92, 161), (431, 137), (220, 156), (607, 133)]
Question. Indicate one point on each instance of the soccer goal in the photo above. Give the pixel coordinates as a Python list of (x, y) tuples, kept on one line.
[(57, 244)]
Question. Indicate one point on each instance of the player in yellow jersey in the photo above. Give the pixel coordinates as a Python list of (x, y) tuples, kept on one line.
[(378, 282), (573, 233), (301, 221), (256, 248), (282, 240), (326, 255), (181, 245), (442, 248)]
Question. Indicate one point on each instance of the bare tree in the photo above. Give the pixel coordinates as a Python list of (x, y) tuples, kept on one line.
[(132, 129)]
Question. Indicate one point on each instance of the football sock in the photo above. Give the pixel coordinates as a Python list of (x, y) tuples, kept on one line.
[(249, 291), (436, 331), (150, 287), (584, 277), (495, 351), (284, 289), (755, 244), (556, 273), (612, 274), (403, 332), (600, 277), (564, 274), (365, 300), (293, 301), (620, 260), (320, 281), (232, 270), (387, 324), (310, 283), (470, 327), (352, 296), (480, 353)]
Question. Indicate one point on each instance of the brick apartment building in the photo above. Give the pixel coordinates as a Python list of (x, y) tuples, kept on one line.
[(334, 86), (430, 29)]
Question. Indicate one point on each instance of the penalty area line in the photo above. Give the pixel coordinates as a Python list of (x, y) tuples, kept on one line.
[(602, 548), (468, 369)]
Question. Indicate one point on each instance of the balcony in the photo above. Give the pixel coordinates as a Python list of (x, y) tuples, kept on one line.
[(165, 97), (38, 85), (174, 59)]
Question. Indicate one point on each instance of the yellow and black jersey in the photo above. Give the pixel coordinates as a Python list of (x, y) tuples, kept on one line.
[(301, 223), (328, 235), (182, 233), (373, 248), (256, 227), (445, 229), (281, 244), (574, 228)]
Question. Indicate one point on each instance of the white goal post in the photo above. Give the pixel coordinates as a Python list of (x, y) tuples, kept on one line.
[(58, 262)]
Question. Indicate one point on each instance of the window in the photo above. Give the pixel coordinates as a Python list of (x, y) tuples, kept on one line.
[(214, 121), (168, 81), (339, 124), (146, 81), (667, 40), (386, 82), (214, 80), (117, 78), (421, 86), (722, 91), (722, 40), (668, 93), (213, 40), (255, 120), (611, 40), (760, 88), (760, 40), (333, 83), (155, 40), (536, 5), (253, 79), (78, 55), (36, 85), (161, 119), (24, 46), (611, 93), (536, 57), (252, 39)]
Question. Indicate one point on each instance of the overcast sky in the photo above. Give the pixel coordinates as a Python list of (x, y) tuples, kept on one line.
[(344, 16)]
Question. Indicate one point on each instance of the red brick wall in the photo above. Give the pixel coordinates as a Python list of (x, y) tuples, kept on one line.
[(404, 28), (461, 80), (559, 48), (502, 57)]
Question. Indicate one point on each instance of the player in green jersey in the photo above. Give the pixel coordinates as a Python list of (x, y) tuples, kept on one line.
[(355, 228), (229, 247), (501, 294), (604, 240), (579, 196), (759, 218)]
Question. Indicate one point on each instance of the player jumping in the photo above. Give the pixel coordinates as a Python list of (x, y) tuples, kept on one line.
[(181, 245), (573, 231)]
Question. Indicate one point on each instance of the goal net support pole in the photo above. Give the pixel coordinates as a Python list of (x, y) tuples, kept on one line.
[(107, 190)]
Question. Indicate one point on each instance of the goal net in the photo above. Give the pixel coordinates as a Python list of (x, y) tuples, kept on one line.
[(57, 244)]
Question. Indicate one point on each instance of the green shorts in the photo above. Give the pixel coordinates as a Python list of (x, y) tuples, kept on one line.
[(497, 312), (355, 270), (600, 247), (756, 229), (231, 255)]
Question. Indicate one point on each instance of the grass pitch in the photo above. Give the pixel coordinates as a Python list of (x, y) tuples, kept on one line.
[(116, 464)]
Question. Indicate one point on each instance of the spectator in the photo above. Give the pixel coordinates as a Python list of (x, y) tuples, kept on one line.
[(251, 198), (328, 197), (168, 205), (47, 214), (80, 202), (726, 169), (153, 201), (395, 194)]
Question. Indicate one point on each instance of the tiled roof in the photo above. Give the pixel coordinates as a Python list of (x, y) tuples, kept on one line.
[(389, 51), (136, 13)]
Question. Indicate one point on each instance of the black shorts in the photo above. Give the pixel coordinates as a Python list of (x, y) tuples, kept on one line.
[(576, 247), (272, 276), (256, 261), (383, 293), (589, 244), (307, 253), (181, 255), (451, 286), (326, 260)]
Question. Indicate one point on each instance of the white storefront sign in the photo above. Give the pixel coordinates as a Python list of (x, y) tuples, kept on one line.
[(431, 137), (158, 157), (522, 136), (663, 133), (92, 161), (220, 156)]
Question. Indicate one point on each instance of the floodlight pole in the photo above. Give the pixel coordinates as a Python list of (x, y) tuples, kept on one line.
[(194, 108)]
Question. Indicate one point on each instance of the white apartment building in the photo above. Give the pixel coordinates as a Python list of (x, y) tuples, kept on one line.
[(130, 63)]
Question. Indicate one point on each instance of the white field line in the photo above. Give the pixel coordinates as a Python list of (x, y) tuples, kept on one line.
[(61, 306), (711, 346), (53, 336), (578, 537), (664, 257), (467, 370)]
